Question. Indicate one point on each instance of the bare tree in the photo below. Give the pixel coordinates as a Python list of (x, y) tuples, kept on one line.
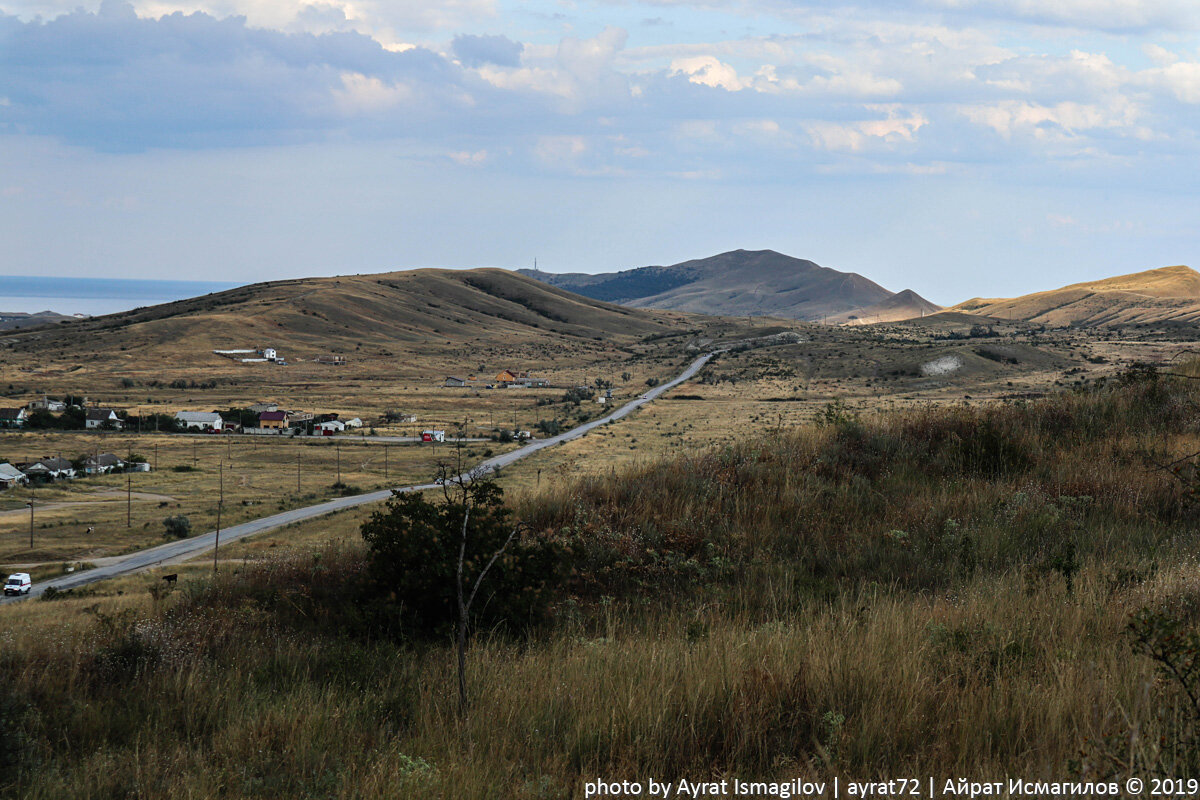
[(458, 484)]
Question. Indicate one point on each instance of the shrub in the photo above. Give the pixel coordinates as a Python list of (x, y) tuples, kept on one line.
[(413, 547), (177, 527)]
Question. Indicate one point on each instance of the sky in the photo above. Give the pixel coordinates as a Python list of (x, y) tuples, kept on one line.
[(960, 148)]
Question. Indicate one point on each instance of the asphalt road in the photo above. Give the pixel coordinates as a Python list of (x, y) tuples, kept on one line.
[(182, 550)]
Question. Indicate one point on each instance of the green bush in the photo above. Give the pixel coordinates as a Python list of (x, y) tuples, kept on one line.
[(413, 548)]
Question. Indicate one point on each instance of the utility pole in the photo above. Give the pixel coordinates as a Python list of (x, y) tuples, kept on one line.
[(220, 503), (297, 469), (385, 462), (193, 453), (30, 504), (156, 456), (338, 448), (128, 497)]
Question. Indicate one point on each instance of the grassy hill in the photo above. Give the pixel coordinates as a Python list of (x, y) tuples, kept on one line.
[(1157, 295), (414, 314)]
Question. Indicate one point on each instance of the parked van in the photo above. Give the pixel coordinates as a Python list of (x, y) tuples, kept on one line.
[(18, 583)]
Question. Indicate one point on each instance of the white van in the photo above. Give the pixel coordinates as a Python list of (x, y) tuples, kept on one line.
[(18, 583)]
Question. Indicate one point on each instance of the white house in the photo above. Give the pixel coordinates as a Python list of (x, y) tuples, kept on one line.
[(99, 417), (269, 353), (11, 476), (50, 468), (102, 464), (354, 423), (330, 427), (12, 418), (200, 420)]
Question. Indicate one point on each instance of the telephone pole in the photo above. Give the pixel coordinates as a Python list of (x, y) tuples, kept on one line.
[(220, 503)]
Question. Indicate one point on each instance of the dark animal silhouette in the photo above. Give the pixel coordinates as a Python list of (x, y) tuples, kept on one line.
[(170, 579)]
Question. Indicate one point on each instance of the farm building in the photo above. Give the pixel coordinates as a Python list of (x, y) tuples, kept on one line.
[(454, 383)]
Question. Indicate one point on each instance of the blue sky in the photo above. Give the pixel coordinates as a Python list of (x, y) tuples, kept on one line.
[(956, 147)]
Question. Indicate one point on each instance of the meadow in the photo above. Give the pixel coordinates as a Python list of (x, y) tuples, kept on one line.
[(981, 591)]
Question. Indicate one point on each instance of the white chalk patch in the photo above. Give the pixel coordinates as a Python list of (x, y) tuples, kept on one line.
[(941, 366)]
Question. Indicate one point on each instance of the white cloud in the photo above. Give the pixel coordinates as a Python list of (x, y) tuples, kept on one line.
[(897, 127), (708, 71)]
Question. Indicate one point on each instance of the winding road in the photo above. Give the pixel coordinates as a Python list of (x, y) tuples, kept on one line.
[(184, 549)]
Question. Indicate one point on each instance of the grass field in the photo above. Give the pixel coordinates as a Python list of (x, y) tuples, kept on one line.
[(945, 592), (260, 476)]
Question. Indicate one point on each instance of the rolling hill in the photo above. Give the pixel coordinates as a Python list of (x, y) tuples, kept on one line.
[(737, 283), (1156, 295), (419, 314)]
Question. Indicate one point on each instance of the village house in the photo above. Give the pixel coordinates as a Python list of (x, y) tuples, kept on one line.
[(11, 476), (330, 427), (353, 423), (509, 377), (51, 468), (259, 408), (12, 418), (454, 383), (101, 417), (102, 464), (46, 404), (273, 420), (331, 359), (299, 419), (200, 420)]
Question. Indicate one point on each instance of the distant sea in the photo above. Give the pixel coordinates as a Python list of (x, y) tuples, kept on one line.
[(93, 296)]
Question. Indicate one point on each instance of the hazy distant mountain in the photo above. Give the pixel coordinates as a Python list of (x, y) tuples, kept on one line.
[(1156, 295), (741, 282), (11, 320), (900, 306)]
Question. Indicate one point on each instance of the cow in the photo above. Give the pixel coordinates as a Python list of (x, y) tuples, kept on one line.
[(170, 579)]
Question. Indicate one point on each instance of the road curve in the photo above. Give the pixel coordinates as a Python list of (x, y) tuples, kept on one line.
[(186, 548)]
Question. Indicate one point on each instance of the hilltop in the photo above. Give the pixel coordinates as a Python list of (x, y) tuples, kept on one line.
[(737, 283), (1156, 295)]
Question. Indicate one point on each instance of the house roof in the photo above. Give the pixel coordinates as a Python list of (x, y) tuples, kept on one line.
[(9, 471), (198, 416), (52, 463), (11, 413), (101, 414), (273, 416), (104, 460)]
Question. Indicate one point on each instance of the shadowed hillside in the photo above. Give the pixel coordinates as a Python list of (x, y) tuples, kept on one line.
[(1157, 295)]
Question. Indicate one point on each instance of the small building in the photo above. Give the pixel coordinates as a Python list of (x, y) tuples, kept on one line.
[(433, 436), (454, 383), (201, 420), (11, 476), (299, 419), (102, 418), (259, 408), (46, 404), (102, 464), (330, 427), (337, 361), (12, 418), (273, 420), (353, 423), (510, 377), (269, 354), (51, 468)]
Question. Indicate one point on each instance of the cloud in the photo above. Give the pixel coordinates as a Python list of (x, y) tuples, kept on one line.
[(708, 71), (475, 51)]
